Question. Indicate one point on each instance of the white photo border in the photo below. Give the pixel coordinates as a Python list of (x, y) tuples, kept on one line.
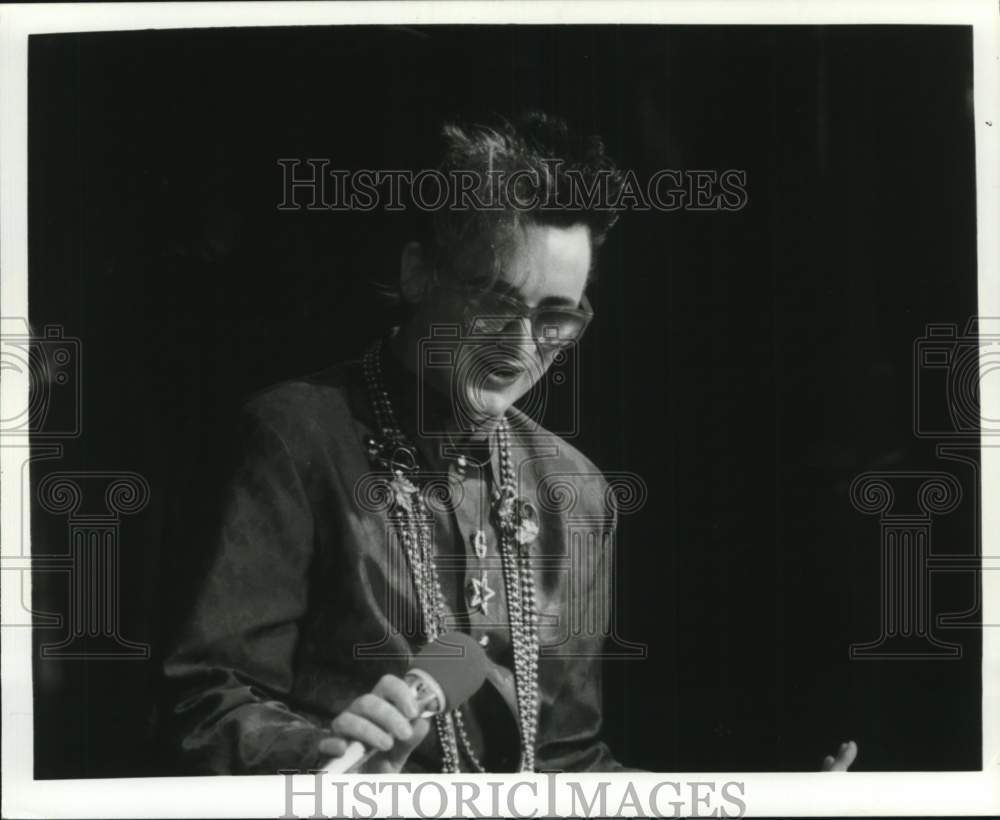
[(772, 794)]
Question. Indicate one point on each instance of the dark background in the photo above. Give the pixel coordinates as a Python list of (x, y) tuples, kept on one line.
[(747, 365)]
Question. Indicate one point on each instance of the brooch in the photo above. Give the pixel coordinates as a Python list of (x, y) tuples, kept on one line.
[(516, 517), (526, 530)]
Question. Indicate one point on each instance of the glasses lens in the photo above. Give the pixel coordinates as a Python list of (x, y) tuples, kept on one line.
[(557, 328), (550, 326), (492, 325)]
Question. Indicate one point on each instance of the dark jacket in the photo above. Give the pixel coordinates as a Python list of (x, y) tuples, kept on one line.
[(308, 600)]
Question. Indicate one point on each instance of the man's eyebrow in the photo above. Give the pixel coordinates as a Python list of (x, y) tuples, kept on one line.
[(513, 291), (563, 301)]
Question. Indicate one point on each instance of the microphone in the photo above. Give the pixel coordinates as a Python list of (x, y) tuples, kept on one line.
[(445, 674)]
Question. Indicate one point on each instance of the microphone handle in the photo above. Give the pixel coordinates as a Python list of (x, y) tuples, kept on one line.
[(430, 701), (351, 760)]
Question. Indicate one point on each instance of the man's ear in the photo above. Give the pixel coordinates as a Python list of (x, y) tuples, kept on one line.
[(414, 273)]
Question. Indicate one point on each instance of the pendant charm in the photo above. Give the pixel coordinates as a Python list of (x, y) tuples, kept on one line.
[(479, 544), (390, 456), (404, 458), (480, 593), (402, 491)]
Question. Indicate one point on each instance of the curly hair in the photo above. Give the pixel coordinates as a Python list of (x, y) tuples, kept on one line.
[(526, 172)]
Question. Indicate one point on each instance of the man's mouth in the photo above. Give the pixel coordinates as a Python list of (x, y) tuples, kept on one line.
[(496, 369), (506, 371)]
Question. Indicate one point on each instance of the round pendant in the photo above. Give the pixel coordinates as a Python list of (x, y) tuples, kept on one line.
[(404, 458), (503, 510), (526, 533)]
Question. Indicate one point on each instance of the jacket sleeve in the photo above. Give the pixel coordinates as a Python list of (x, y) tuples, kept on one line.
[(229, 675)]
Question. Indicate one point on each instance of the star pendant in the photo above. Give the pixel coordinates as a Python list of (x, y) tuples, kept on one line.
[(481, 593)]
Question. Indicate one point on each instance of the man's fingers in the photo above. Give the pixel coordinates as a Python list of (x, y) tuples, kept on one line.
[(420, 729), (356, 727), (381, 720), (384, 715), (396, 691), (846, 755), (333, 746)]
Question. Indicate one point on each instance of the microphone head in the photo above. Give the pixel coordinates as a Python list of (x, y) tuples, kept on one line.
[(457, 663)]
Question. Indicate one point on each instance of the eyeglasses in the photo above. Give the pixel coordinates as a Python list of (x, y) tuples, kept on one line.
[(552, 326)]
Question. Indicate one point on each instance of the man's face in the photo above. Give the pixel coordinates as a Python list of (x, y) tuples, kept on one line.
[(546, 267)]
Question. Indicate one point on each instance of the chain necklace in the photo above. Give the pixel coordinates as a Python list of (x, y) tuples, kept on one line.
[(516, 521)]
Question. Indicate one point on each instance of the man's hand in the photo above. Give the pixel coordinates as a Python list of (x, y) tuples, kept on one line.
[(385, 719), (845, 757)]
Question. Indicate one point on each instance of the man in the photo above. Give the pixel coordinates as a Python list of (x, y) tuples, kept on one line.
[(381, 503)]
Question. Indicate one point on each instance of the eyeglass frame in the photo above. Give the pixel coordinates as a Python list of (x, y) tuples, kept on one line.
[(583, 312)]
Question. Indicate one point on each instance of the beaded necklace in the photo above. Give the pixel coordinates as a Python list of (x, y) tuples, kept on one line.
[(517, 523)]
